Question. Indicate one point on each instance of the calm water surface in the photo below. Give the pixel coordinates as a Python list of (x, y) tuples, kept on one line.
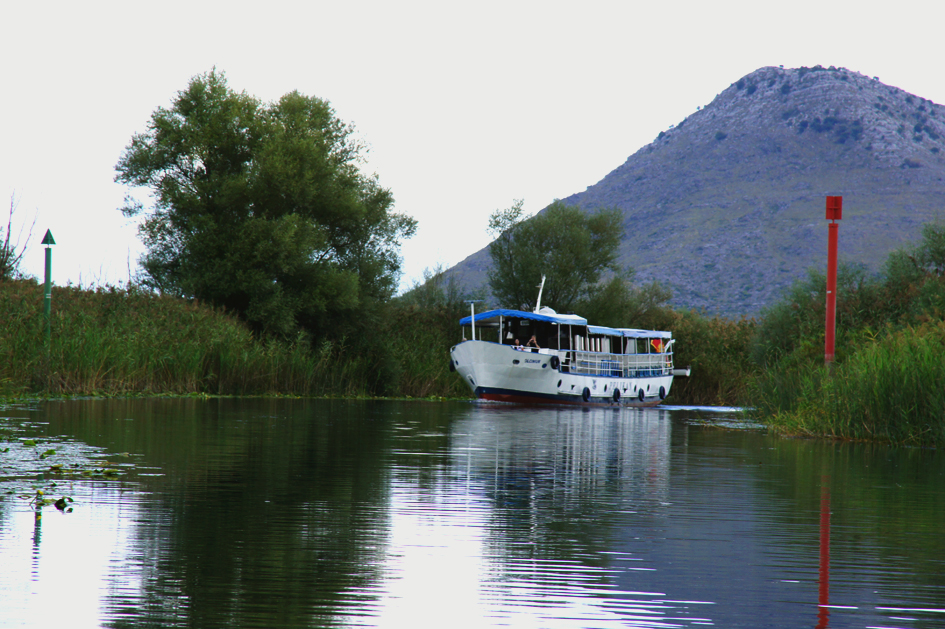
[(300, 513)]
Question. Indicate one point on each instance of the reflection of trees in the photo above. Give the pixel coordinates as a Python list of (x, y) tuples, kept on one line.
[(275, 512), (269, 512)]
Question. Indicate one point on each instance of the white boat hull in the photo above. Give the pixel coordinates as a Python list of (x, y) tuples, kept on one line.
[(502, 373)]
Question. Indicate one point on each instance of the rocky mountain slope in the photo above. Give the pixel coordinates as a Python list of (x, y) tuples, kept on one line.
[(727, 207)]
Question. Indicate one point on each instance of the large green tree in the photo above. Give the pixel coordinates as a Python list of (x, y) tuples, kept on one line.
[(261, 208), (572, 248)]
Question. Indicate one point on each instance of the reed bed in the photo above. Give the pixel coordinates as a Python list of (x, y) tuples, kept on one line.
[(890, 391), (117, 341), (717, 349), (121, 341)]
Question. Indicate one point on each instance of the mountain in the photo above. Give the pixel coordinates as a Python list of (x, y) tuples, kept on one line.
[(727, 207)]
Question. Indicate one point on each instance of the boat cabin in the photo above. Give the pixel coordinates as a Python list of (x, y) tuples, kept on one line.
[(581, 348)]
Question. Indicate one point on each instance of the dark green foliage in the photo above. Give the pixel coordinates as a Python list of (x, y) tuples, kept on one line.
[(620, 303), (717, 349), (752, 88), (130, 341), (720, 135), (888, 391), (572, 248), (113, 341), (425, 324), (260, 209), (886, 379), (797, 322)]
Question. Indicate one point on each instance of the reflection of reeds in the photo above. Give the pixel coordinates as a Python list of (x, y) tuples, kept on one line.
[(889, 391)]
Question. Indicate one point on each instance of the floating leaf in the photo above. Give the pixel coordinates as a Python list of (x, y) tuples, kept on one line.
[(49, 452), (29, 442)]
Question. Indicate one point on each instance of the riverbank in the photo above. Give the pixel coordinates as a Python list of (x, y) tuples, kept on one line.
[(889, 391), (112, 341), (885, 384), (127, 341)]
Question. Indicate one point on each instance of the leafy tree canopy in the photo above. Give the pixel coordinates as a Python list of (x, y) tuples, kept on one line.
[(261, 208), (575, 251)]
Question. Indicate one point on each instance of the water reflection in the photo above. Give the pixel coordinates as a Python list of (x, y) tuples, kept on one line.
[(296, 513)]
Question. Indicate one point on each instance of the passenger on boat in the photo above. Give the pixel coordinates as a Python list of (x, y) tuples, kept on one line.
[(532, 343), (518, 345)]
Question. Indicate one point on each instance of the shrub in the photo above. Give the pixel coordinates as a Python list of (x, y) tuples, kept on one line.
[(720, 135)]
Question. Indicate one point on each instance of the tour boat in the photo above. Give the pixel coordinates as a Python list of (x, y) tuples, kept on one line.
[(543, 357)]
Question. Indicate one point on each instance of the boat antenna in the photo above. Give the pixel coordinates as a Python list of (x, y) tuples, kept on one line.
[(541, 287)]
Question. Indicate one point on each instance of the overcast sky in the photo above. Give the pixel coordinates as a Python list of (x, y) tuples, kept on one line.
[(465, 106)]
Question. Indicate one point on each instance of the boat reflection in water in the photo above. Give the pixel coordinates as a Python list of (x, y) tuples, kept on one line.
[(544, 497), (301, 513)]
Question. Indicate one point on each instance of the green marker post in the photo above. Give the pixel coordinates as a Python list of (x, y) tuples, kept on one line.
[(47, 292)]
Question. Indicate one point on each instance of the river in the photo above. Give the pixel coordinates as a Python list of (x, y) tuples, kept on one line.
[(321, 513)]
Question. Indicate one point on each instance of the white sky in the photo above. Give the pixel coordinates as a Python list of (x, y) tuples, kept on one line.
[(466, 106)]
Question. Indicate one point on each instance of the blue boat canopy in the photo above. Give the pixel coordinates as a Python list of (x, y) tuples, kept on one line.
[(629, 333), (548, 315), (599, 329), (644, 334)]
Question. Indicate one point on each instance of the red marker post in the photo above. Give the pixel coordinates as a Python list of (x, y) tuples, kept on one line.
[(834, 214)]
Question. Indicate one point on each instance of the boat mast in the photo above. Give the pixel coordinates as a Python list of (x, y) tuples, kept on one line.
[(472, 314), (541, 287)]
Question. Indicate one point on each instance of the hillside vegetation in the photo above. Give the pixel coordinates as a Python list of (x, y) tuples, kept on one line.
[(726, 208)]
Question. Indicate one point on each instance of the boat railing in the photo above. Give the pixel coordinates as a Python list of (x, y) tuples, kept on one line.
[(618, 365)]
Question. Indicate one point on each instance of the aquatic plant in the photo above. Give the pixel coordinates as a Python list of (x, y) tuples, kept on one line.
[(890, 391)]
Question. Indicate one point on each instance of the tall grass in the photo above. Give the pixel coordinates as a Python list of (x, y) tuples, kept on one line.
[(718, 350), (126, 340), (886, 382), (424, 326), (117, 341), (890, 391)]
